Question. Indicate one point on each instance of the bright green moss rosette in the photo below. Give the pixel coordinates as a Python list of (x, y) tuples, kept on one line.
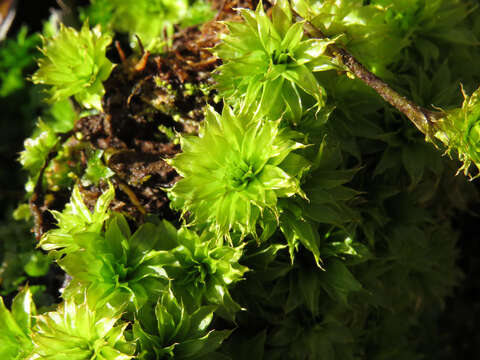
[(201, 270), (460, 131), (74, 220), (116, 265), (233, 172), (271, 60), (168, 331), (75, 64), (78, 332), (99, 252)]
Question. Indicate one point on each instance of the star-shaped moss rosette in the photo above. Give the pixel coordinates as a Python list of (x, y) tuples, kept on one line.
[(271, 60), (15, 326), (235, 171), (75, 64), (76, 219), (117, 266), (77, 331), (168, 331), (459, 131), (201, 270)]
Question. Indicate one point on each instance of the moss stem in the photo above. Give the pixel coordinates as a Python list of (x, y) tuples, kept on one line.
[(421, 117)]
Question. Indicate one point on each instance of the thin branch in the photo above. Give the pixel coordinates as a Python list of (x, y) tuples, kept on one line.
[(422, 118)]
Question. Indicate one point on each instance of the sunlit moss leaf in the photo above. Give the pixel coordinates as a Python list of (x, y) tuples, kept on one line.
[(15, 326), (23, 310), (298, 230), (96, 170)]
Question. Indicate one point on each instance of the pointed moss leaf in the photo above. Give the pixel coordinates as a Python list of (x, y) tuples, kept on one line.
[(15, 326), (115, 241), (272, 92), (146, 238), (334, 214), (202, 346), (413, 160), (311, 50), (201, 319), (330, 179), (169, 238), (96, 170), (304, 78), (293, 37), (353, 251), (295, 165), (23, 309), (305, 290), (332, 196), (61, 116), (292, 99), (281, 17), (263, 256), (387, 161), (299, 230), (338, 281)]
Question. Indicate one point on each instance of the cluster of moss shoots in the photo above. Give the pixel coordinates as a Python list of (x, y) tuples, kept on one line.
[(262, 176)]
